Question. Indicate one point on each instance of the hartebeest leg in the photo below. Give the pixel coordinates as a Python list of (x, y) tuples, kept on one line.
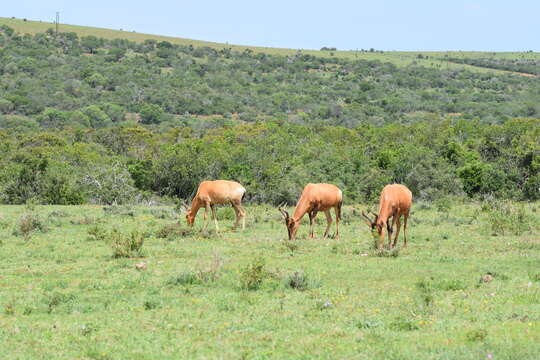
[(214, 215), (406, 217), (206, 211), (312, 215), (338, 217), (243, 216), (328, 223), (236, 214), (240, 214), (398, 224), (390, 229)]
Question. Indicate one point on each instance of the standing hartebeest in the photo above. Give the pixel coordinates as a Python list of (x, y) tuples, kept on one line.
[(396, 201), (215, 192), (315, 198)]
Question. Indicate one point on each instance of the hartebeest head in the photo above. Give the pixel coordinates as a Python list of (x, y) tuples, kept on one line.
[(190, 218), (375, 225), (292, 225)]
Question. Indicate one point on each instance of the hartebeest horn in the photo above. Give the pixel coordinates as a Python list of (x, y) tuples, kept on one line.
[(283, 211), (183, 206), (366, 217)]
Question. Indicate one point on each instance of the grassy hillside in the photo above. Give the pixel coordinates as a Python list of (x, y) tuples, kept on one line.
[(399, 58)]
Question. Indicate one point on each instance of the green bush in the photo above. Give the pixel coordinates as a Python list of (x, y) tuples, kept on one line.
[(253, 274), (126, 245), (298, 280), (506, 218), (29, 224)]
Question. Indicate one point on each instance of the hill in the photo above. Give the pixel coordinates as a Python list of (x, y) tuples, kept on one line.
[(87, 119), (398, 58)]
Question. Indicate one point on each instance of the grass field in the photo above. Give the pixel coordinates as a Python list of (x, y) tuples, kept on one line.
[(254, 295), (399, 58)]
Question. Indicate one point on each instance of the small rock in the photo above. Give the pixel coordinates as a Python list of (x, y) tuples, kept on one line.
[(487, 278), (141, 266)]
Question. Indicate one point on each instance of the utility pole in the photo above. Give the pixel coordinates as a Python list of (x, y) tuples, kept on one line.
[(57, 21)]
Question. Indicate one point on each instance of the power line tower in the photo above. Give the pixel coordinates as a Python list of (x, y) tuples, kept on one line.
[(57, 21)]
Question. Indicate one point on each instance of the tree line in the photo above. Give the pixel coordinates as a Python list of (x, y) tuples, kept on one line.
[(273, 159)]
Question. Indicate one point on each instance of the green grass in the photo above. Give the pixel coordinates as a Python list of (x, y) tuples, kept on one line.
[(63, 295), (399, 58)]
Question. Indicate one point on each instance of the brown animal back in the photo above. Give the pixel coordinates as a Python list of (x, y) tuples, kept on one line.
[(220, 191), (326, 194)]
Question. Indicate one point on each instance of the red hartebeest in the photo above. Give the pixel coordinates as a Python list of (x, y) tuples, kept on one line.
[(396, 201), (315, 198), (215, 192)]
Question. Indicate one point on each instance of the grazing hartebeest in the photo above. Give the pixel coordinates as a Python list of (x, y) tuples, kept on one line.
[(315, 198), (396, 200), (215, 192)]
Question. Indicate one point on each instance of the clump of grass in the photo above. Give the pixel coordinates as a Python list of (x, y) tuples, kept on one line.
[(443, 205), (506, 218), (171, 231), (186, 277), (429, 285), (534, 276), (451, 285), (96, 232), (528, 244), (3, 223), (253, 274), (151, 304), (427, 299), (291, 246), (367, 324), (162, 213), (385, 252), (204, 274), (56, 299), (126, 245), (403, 324), (119, 210), (29, 224), (85, 220), (226, 213), (58, 213), (299, 280), (9, 308), (476, 335)]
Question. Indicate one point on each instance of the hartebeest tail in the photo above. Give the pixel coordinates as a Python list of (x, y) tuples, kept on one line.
[(315, 198), (396, 201), (211, 193)]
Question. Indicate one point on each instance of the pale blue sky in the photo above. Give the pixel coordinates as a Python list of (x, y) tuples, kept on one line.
[(487, 25)]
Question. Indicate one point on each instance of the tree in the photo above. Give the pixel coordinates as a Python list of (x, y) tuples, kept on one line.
[(52, 118), (6, 106), (116, 54), (96, 116), (90, 43), (96, 79), (151, 114)]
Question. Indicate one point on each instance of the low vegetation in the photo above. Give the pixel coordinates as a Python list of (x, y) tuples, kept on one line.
[(474, 291)]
